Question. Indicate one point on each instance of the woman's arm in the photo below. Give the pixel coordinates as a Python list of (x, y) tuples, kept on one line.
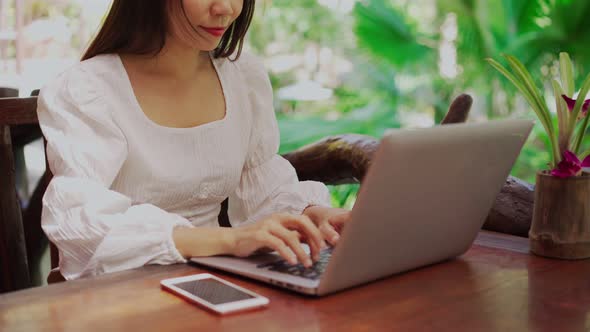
[(202, 241), (269, 183), (96, 230)]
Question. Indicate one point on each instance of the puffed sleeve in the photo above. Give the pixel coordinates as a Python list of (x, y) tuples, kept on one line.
[(268, 183), (96, 230)]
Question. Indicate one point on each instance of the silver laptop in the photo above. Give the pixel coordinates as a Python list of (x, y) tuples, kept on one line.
[(423, 201)]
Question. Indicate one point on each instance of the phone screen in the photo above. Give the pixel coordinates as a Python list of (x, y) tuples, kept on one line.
[(213, 291)]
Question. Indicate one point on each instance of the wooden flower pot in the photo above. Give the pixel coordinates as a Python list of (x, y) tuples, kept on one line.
[(561, 217)]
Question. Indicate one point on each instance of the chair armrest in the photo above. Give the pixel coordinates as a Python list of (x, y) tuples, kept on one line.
[(334, 160), (512, 212)]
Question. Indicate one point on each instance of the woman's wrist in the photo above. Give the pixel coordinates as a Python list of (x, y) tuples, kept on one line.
[(200, 241), (229, 240), (313, 212)]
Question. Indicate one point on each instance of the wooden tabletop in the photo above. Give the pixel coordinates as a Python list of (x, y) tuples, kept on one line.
[(496, 286)]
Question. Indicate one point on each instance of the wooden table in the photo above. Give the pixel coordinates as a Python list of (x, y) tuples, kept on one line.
[(495, 286)]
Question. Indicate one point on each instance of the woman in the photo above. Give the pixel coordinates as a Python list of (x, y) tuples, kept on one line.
[(154, 129)]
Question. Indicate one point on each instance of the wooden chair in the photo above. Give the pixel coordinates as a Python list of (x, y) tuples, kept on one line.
[(333, 160), (18, 135), (14, 113), (6, 92), (17, 148)]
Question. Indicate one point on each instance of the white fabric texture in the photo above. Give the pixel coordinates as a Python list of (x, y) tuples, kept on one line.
[(122, 182)]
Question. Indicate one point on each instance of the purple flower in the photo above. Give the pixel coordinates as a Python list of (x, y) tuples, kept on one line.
[(572, 102), (570, 165)]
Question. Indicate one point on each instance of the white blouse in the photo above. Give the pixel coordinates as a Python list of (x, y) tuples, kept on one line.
[(122, 182)]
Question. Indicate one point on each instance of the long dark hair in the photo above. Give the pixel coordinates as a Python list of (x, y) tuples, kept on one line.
[(140, 27)]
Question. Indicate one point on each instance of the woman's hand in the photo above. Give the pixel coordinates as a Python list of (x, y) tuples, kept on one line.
[(283, 233), (329, 220)]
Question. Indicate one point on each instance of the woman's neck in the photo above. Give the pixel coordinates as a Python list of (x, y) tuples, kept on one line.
[(175, 60)]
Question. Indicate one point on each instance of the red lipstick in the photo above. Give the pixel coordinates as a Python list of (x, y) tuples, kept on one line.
[(217, 32)]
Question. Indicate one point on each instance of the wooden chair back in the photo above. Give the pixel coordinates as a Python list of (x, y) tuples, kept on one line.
[(13, 255), (6, 92), (21, 237)]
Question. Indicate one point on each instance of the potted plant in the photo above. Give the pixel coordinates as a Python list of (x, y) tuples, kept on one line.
[(561, 219)]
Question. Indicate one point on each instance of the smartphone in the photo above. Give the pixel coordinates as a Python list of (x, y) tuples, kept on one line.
[(214, 293)]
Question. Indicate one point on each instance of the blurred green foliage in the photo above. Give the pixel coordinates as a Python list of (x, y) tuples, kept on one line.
[(396, 47)]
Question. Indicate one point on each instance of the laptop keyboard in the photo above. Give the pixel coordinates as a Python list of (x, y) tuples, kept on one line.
[(314, 272)]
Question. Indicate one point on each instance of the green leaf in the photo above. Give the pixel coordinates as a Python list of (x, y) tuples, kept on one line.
[(523, 74), (541, 112), (526, 78), (576, 111), (389, 34), (566, 70), (521, 87), (562, 117)]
